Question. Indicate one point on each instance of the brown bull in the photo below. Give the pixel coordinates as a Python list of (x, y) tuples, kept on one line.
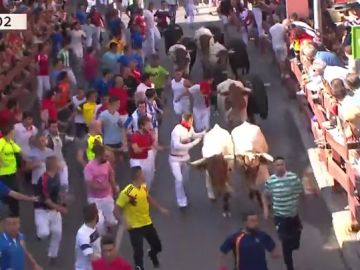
[(218, 170), (237, 101)]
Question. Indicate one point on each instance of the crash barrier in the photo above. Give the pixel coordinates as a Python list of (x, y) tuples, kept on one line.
[(333, 149)]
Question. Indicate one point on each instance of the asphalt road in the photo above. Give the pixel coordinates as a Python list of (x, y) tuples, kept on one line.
[(191, 238)]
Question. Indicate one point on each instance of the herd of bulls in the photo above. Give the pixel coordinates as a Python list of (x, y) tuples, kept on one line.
[(238, 101), (209, 44)]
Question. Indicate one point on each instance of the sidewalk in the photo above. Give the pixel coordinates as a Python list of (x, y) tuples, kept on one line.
[(336, 203)]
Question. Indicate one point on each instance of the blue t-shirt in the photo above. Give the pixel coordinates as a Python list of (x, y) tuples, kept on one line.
[(4, 190), (111, 127), (136, 40), (57, 40), (81, 17), (102, 87), (125, 59), (12, 254), (329, 58), (251, 249), (110, 61)]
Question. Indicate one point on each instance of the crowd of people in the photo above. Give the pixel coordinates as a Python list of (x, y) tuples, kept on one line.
[(101, 82)]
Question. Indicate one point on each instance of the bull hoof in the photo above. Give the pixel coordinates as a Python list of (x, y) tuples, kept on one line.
[(226, 214)]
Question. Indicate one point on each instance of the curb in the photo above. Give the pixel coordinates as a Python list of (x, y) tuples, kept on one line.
[(347, 241)]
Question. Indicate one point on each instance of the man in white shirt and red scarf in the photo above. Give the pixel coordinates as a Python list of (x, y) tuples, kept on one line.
[(201, 95), (183, 138)]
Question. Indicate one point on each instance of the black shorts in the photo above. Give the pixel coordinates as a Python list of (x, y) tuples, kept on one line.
[(115, 146)]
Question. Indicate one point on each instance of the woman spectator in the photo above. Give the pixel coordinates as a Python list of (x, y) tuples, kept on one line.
[(9, 160)]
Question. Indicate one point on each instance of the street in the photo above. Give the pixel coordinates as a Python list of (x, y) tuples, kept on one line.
[(191, 238)]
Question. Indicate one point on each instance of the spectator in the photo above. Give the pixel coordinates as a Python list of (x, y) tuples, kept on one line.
[(101, 186), (81, 15), (77, 101), (90, 31), (279, 44), (110, 260), (131, 84), (248, 246), (12, 243), (35, 162), (48, 108), (119, 41), (55, 72), (311, 53), (43, 78), (63, 91), (56, 40), (102, 85), (109, 60), (88, 108), (143, 86), (112, 125), (353, 64), (10, 160), (24, 131), (7, 192), (64, 56), (284, 189), (134, 200), (161, 16), (105, 100), (87, 242), (131, 124), (77, 35), (98, 21), (130, 55), (121, 93), (11, 114), (137, 39), (90, 67)]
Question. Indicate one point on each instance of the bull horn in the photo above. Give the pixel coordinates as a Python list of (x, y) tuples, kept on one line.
[(229, 157), (267, 157), (198, 162)]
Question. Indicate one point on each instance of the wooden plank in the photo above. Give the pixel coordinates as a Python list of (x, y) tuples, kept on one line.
[(338, 174), (341, 149)]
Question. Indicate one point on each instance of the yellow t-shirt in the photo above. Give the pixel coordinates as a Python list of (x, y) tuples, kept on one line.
[(8, 163), (134, 202), (90, 145), (120, 45), (88, 111)]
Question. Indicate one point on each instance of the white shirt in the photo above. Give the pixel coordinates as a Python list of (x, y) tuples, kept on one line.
[(181, 143), (87, 243), (149, 19), (334, 72), (277, 32), (22, 136), (89, 31), (76, 42), (78, 116), (198, 99), (141, 90), (183, 105), (248, 138)]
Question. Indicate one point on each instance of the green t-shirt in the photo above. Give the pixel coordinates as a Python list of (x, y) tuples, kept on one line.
[(158, 75), (8, 163)]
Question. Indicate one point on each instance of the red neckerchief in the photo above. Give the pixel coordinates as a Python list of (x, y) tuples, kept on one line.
[(185, 124), (205, 89)]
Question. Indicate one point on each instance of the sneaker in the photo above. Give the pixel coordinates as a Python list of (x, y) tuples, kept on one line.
[(154, 259)]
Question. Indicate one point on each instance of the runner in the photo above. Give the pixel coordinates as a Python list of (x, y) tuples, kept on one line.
[(134, 200)]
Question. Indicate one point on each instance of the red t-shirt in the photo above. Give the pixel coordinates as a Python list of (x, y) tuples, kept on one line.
[(7, 117), (117, 264), (96, 19), (122, 95), (42, 60), (50, 106), (140, 21), (143, 140)]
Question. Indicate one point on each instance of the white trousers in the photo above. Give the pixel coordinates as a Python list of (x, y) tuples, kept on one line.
[(257, 12), (43, 85), (180, 171), (146, 166), (105, 207), (49, 223), (64, 177), (201, 118)]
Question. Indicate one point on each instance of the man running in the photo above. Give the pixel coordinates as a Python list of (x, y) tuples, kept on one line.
[(135, 202), (183, 138)]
